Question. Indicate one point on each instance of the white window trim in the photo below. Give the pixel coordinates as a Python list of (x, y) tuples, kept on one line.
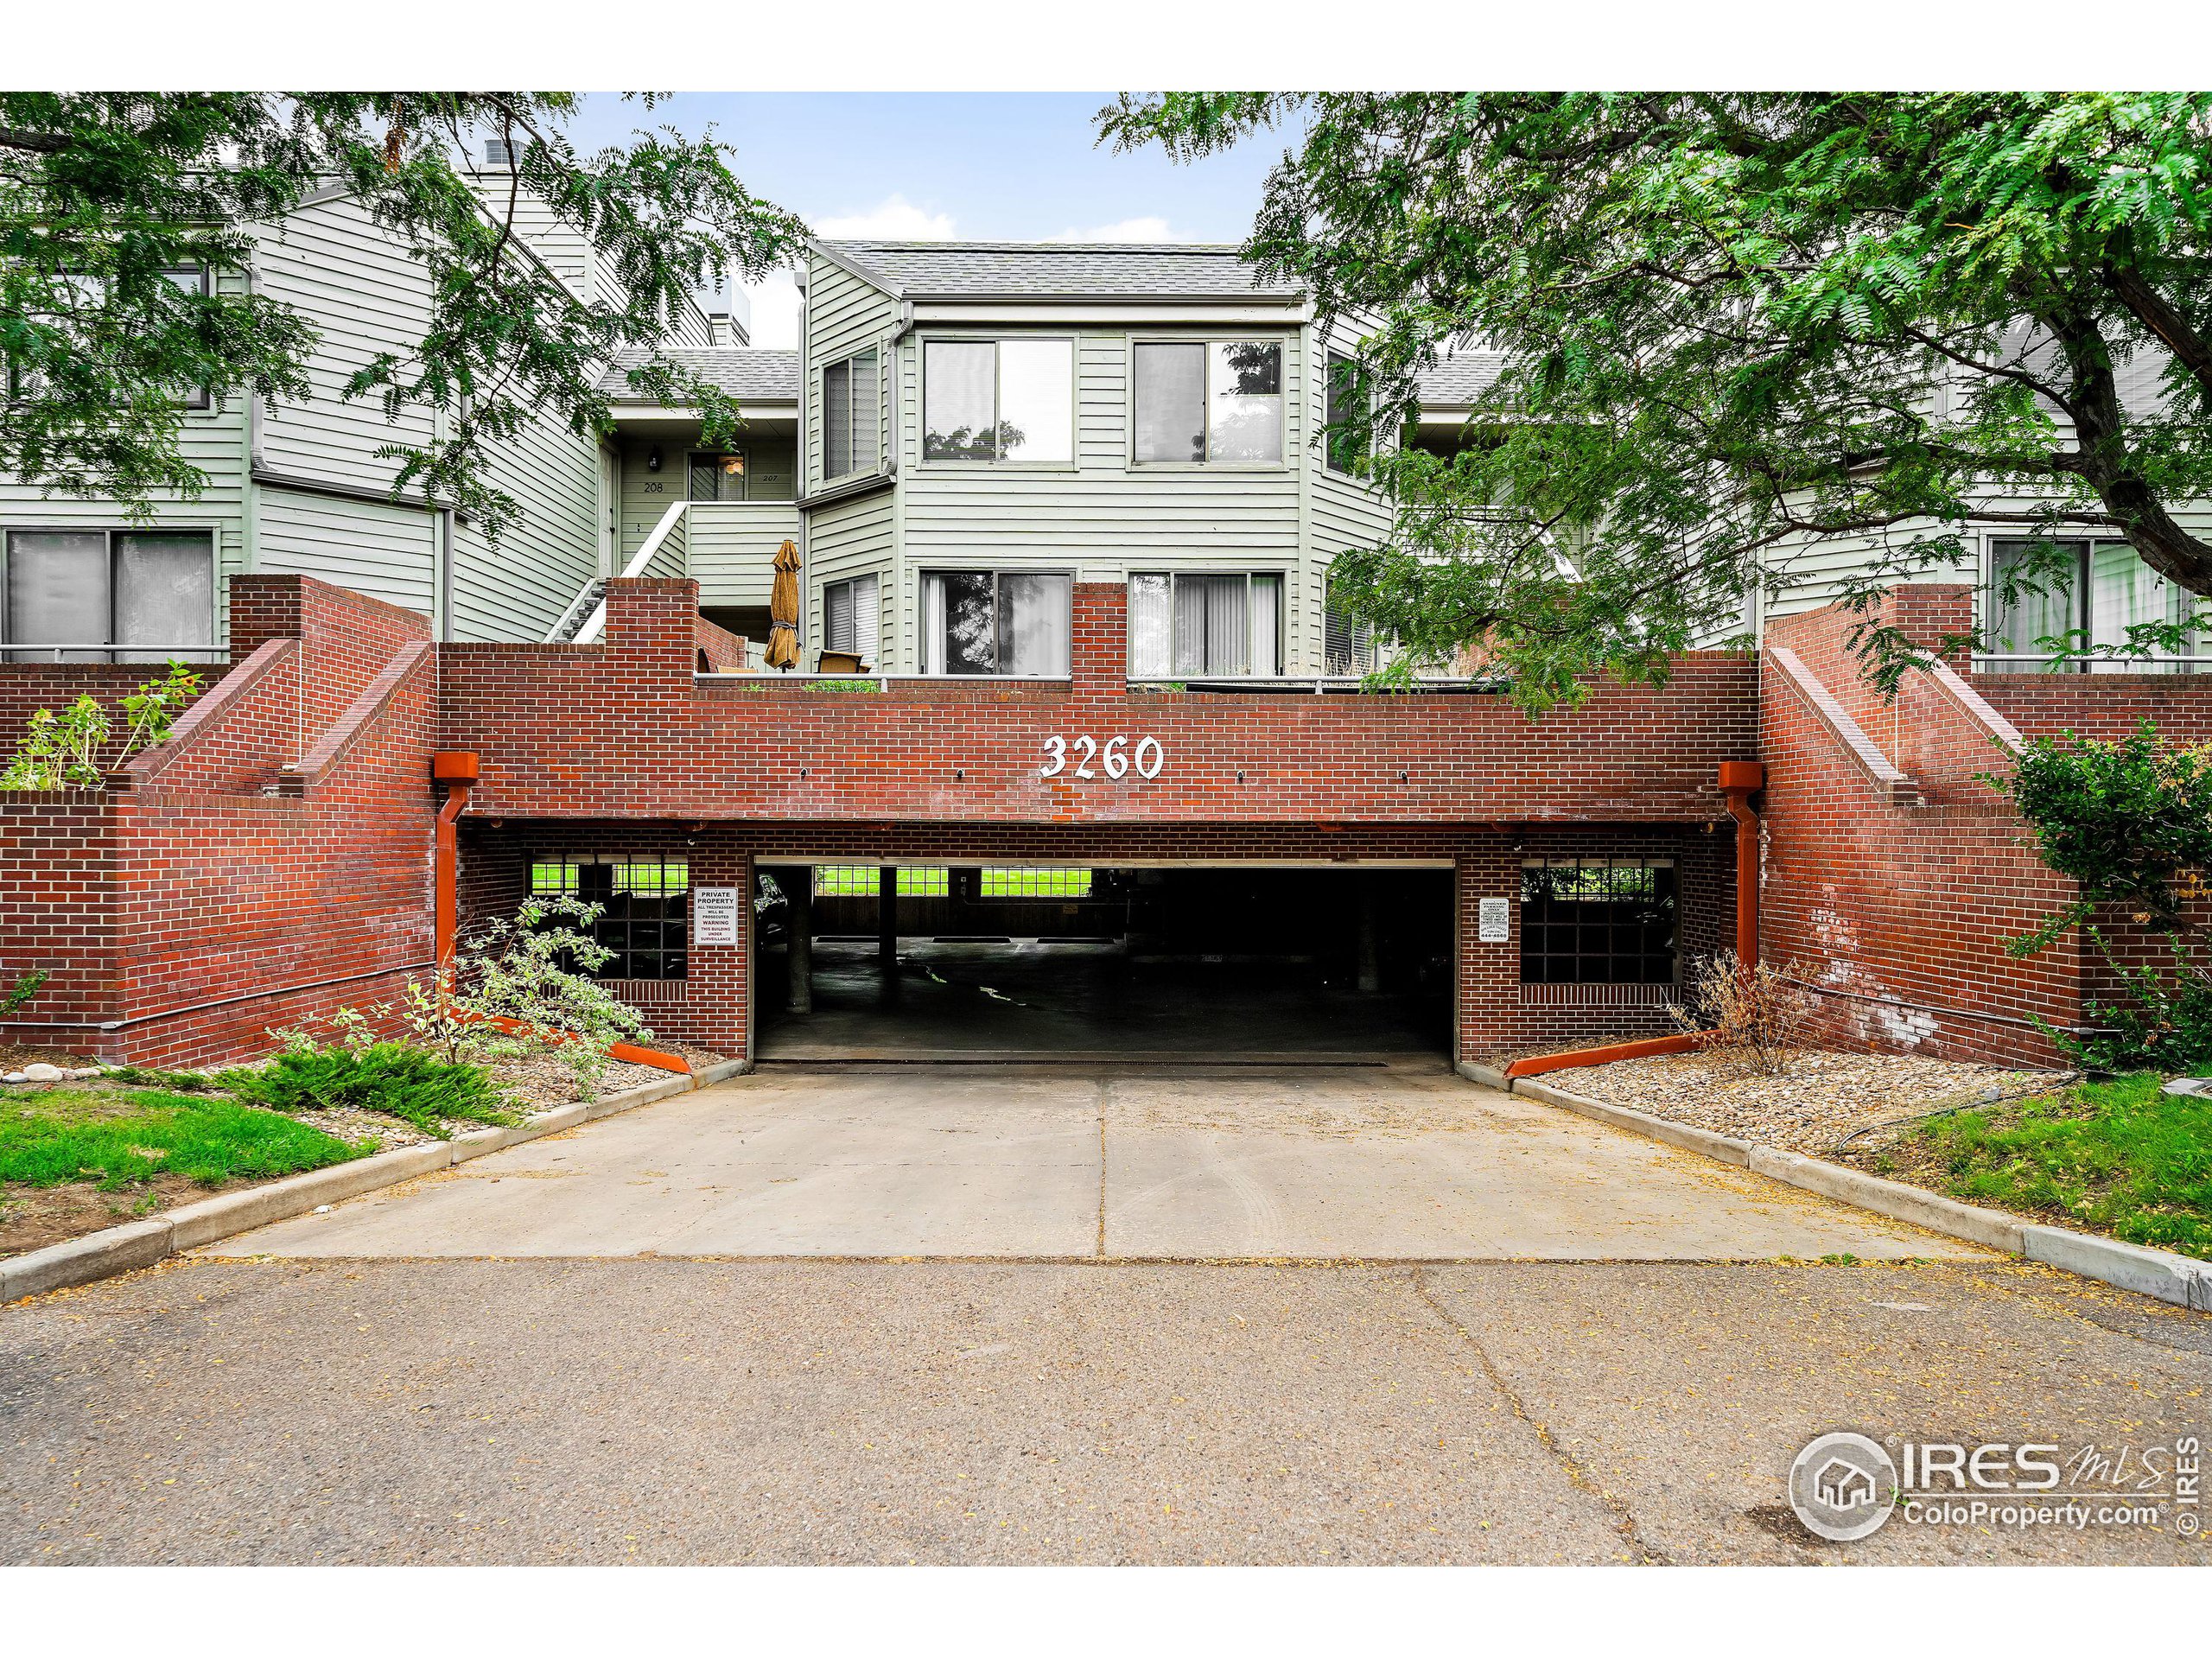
[(1284, 342), (993, 338)]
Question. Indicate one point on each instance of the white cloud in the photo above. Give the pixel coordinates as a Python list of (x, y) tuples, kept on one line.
[(892, 219), (1151, 228)]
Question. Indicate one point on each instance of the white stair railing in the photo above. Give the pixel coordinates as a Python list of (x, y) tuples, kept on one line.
[(667, 537)]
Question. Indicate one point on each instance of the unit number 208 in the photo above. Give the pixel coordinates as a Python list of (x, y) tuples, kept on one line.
[(1116, 757)]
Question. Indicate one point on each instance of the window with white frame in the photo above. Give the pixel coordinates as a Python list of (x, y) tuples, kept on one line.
[(851, 416), (1009, 622), (1199, 401), (2084, 592), (1184, 624), (998, 400), (851, 617), (148, 594)]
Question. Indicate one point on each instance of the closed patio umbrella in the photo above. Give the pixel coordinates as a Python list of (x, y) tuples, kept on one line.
[(783, 610)]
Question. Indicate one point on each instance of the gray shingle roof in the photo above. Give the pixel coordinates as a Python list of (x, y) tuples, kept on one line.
[(1077, 270), (1461, 378), (741, 371)]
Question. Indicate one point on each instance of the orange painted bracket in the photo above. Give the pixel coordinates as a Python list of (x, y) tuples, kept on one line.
[(628, 1052), (652, 1057), (1533, 1066)]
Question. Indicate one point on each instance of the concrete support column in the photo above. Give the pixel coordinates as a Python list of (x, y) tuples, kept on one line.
[(799, 891), (886, 918), (1371, 939)]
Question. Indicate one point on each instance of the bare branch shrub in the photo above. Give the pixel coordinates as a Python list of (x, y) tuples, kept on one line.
[(1752, 1021)]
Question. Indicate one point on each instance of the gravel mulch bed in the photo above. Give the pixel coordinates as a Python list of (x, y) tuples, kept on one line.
[(1820, 1097)]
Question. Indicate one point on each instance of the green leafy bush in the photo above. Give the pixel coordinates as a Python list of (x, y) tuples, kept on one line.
[(60, 751), (2129, 821), (523, 985), (2119, 1156), (395, 1078), (58, 1136)]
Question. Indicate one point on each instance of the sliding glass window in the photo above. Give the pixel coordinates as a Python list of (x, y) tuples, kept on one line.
[(1006, 622), (998, 400), (2078, 593), (1217, 402), (150, 594), (1185, 626)]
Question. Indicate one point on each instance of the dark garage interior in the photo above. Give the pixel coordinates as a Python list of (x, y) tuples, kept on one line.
[(1199, 964)]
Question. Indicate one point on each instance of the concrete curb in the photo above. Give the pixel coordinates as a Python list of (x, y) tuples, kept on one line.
[(2179, 1280), (1725, 1147), (2161, 1274), (141, 1244)]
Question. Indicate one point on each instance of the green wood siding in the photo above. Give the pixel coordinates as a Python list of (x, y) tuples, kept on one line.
[(843, 315)]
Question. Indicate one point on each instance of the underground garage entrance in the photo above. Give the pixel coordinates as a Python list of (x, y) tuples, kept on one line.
[(1084, 962)]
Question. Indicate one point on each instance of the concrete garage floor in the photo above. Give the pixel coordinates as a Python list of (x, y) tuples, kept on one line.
[(495, 1367), (1396, 1163), (1079, 1002)]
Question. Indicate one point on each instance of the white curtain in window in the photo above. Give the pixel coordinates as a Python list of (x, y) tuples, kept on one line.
[(1265, 654), (933, 623), (1034, 624), (2033, 616), (164, 593), (867, 616), (1151, 628), (837, 616), (2124, 593), (57, 590)]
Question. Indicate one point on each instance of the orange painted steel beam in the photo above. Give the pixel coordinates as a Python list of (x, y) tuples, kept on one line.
[(1533, 1065)]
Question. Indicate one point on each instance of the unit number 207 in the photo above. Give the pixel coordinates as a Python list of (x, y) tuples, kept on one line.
[(1117, 758)]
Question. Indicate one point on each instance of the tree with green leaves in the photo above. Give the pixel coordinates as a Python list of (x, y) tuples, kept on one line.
[(1733, 326), (104, 196)]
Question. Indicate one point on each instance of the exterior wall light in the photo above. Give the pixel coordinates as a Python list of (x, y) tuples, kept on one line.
[(652, 458)]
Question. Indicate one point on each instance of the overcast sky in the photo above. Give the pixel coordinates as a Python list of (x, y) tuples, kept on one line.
[(987, 166)]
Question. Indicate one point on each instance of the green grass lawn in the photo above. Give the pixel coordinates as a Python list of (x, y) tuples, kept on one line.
[(121, 1138), (2118, 1157)]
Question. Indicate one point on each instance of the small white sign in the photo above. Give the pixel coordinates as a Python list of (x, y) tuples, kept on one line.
[(714, 912), (1494, 923)]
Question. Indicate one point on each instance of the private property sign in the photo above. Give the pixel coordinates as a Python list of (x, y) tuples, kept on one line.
[(714, 912)]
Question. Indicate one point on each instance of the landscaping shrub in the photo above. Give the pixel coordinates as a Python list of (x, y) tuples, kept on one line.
[(523, 985), (394, 1078), (58, 1135), (2119, 1156), (1755, 1021)]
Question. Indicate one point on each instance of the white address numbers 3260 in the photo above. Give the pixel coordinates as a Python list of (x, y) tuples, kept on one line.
[(1116, 757)]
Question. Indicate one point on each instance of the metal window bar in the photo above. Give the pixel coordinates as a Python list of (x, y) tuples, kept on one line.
[(644, 908), (1588, 919)]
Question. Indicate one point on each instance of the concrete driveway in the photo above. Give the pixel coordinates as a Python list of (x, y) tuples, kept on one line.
[(1399, 1162), (551, 1357)]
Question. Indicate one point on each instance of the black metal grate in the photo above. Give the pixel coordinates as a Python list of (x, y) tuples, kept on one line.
[(1597, 921), (644, 916)]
